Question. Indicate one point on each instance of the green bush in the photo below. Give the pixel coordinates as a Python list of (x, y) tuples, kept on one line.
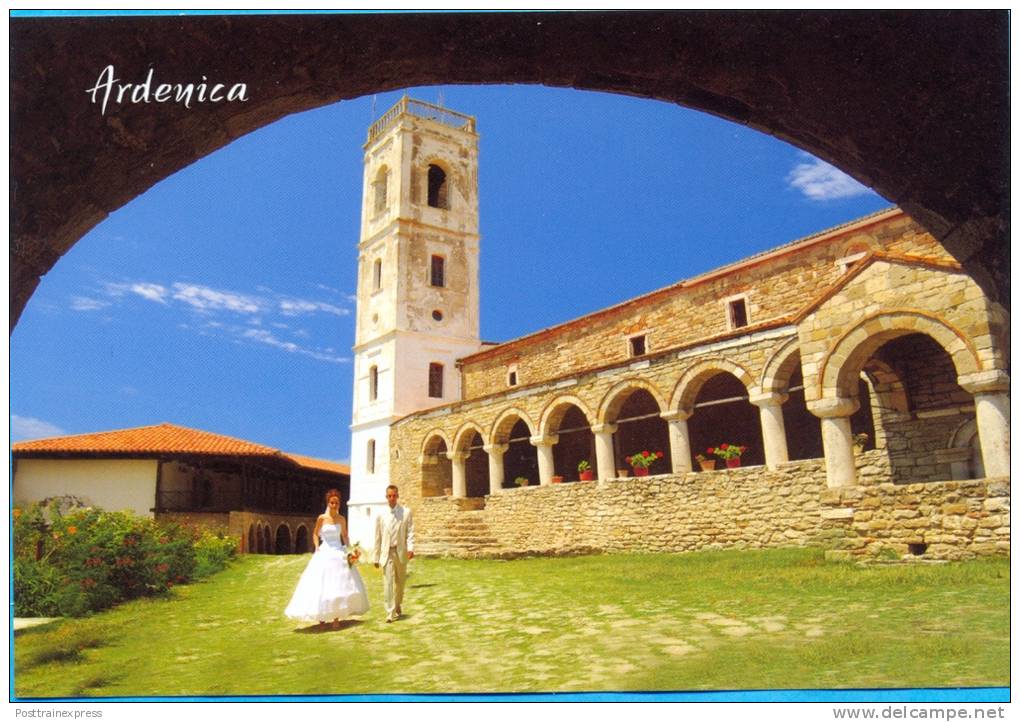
[(85, 560), (212, 553)]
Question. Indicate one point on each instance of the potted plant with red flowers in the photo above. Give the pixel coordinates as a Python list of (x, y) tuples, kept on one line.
[(584, 471), (641, 462), (730, 453)]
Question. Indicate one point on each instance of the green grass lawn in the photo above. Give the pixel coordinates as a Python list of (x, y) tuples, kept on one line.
[(702, 621)]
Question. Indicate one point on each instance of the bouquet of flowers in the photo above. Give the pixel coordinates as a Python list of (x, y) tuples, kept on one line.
[(353, 553), (727, 451), (644, 459)]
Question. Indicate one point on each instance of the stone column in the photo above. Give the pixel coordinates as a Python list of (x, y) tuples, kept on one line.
[(773, 430), (495, 452), (679, 439), (459, 472), (837, 439), (605, 459), (546, 467), (991, 407)]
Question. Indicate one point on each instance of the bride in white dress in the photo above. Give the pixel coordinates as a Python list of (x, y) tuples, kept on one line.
[(330, 587)]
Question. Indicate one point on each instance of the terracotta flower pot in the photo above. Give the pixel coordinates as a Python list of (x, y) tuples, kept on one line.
[(707, 465), (448, 491), (587, 475), (623, 473), (557, 480), (640, 471), (733, 463)]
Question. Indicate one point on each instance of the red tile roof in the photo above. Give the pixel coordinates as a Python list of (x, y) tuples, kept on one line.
[(165, 439)]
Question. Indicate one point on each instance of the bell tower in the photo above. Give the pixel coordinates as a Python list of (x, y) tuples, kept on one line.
[(417, 297)]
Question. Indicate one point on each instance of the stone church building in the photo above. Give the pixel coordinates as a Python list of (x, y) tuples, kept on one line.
[(864, 371)]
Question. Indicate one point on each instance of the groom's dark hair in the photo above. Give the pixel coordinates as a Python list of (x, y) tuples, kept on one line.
[(394, 487)]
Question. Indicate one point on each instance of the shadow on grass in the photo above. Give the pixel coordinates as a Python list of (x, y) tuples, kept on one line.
[(421, 586), (326, 627)]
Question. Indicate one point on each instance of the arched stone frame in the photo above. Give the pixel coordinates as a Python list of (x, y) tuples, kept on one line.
[(420, 189), (963, 452), (463, 436), (790, 431), (288, 540), (842, 365), (682, 401), (557, 457), (611, 443), (380, 188), (687, 388), (779, 367), (616, 396), (252, 545), (470, 471), (434, 464), (499, 432), (260, 539), (267, 539), (301, 540), (553, 413), (511, 458)]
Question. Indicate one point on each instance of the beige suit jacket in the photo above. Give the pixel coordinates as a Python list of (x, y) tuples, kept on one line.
[(400, 534)]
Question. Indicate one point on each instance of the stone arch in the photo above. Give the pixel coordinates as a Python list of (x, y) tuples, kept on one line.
[(252, 547), (501, 427), (267, 540), (890, 392), (282, 543), (432, 438), (869, 142), (780, 366), (553, 413), (436, 471), (260, 539), (617, 396), (301, 542), (464, 436), (687, 388), (842, 365)]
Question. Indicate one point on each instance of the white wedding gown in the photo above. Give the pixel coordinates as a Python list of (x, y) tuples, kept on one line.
[(329, 588)]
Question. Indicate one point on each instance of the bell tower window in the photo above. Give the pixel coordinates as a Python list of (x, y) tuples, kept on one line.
[(373, 383), (377, 274), (437, 271), (438, 187), (382, 179), (435, 381)]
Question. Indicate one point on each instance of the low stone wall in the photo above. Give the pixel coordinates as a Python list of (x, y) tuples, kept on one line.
[(938, 520), (749, 507)]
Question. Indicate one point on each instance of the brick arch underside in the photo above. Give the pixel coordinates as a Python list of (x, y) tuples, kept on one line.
[(919, 111)]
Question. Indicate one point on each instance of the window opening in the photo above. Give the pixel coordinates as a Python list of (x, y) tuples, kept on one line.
[(435, 381), (637, 346), (437, 275), (437, 188)]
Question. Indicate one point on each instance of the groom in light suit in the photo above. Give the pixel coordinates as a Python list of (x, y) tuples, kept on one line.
[(394, 545)]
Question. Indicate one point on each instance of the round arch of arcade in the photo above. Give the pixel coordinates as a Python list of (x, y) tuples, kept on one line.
[(274, 534)]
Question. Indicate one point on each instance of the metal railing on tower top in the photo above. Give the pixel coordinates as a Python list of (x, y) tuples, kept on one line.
[(421, 109)]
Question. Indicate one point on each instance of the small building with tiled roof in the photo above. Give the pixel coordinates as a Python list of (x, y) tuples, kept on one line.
[(266, 497)]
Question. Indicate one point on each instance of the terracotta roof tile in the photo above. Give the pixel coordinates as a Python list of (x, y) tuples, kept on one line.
[(165, 439)]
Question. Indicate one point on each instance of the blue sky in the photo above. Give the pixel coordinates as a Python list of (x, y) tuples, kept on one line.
[(222, 298)]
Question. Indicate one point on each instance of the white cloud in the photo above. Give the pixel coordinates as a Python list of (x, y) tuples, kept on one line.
[(26, 427), (820, 181), (265, 337), (81, 303), (150, 291), (204, 298), (296, 306)]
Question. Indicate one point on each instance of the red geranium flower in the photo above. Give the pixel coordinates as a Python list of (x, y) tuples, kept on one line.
[(724, 446)]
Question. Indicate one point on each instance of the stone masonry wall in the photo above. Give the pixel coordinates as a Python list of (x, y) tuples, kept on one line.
[(942, 520), (672, 318), (750, 507)]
